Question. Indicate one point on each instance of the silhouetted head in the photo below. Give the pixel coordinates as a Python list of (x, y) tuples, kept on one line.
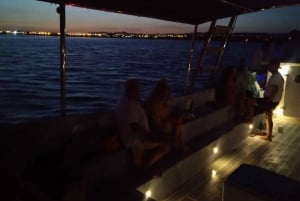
[(161, 91), (229, 72), (274, 64), (242, 65), (132, 88)]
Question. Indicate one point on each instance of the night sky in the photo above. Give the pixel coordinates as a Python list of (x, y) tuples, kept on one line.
[(32, 15)]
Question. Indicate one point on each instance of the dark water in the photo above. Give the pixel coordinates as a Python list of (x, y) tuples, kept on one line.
[(96, 70)]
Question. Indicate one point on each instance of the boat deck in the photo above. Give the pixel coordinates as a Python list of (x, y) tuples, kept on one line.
[(280, 156)]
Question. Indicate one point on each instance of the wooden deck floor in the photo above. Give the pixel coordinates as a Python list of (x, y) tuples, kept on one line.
[(280, 156)]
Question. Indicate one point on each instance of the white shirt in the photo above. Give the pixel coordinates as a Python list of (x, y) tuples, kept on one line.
[(277, 80), (129, 111)]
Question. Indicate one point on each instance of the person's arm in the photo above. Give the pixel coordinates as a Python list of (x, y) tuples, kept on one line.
[(273, 93), (138, 129)]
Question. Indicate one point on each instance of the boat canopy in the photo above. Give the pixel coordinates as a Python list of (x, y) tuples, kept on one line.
[(185, 11)]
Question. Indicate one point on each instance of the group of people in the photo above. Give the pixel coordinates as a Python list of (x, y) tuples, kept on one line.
[(149, 129), (240, 90)]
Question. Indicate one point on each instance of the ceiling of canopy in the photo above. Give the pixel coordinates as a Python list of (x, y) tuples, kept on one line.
[(184, 11)]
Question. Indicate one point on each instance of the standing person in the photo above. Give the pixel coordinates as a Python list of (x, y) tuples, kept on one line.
[(134, 130), (245, 81), (259, 61), (228, 93), (246, 85), (272, 97)]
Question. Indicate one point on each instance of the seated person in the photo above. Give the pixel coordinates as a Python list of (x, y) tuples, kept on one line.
[(164, 121), (134, 130)]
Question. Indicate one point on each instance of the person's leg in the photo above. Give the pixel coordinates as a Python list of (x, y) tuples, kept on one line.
[(157, 154), (260, 106), (248, 110), (177, 130), (244, 107), (137, 156), (269, 126), (140, 149), (257, 110)]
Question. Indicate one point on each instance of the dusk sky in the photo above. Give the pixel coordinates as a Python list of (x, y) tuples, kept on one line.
[(41, 16)]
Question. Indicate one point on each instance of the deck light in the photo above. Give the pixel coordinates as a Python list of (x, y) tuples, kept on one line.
[(213, 173), (279, 111), (250, 126), (284, 70), (148, 194), (215, 150)]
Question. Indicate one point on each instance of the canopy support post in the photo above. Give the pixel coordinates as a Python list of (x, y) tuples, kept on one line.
[(188, 68), (61, 10)]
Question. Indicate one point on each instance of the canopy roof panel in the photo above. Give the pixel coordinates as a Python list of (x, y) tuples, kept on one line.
[(184, 11)]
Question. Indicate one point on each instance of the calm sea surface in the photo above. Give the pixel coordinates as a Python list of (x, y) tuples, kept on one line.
[(96, 70)]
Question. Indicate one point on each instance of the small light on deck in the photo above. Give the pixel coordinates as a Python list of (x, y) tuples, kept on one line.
[(215, 150), (213, 173), (148, 194), (279, 111), (284, 70), (250, 126)]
